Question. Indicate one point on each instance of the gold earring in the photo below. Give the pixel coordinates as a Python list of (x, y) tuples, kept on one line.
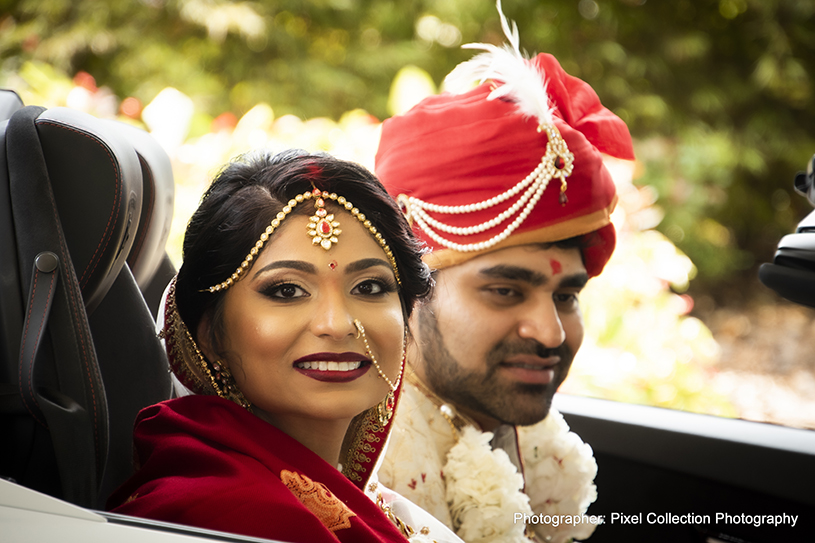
[(189, 364), (224, 384)]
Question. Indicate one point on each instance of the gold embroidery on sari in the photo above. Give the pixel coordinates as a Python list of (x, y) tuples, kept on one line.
[(329, 509), (357, 446)]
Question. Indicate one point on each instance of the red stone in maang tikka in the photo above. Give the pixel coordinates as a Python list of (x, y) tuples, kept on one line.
[(321, 226)]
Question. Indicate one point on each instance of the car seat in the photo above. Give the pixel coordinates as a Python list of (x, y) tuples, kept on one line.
[(9, 103), (81, 201)]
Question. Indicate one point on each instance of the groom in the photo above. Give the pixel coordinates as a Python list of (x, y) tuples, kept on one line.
[(505, 183)]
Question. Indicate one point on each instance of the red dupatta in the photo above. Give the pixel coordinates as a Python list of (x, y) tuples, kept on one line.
[(207, 462)]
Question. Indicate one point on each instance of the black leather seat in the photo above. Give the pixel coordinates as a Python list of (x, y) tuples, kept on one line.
[(98, 194)]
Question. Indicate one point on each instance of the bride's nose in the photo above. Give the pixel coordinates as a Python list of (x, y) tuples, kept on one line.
[(332, 318)]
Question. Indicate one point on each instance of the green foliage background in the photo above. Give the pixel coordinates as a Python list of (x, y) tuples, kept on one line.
[(717, 93)]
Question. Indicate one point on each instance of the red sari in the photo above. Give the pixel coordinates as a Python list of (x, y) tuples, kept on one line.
[(205, 461)]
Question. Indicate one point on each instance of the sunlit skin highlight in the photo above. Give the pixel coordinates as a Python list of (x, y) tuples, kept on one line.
[(293, 315), (500, 333)]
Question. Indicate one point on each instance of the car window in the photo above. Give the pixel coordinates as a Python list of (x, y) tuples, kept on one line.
[(650, 341)]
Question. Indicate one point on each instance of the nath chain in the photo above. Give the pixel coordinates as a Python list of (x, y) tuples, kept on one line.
[(361, 332)]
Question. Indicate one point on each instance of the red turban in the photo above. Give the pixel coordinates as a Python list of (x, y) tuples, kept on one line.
[(458, 149)]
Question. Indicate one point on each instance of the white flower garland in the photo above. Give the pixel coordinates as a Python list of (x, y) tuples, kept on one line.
[(560, 470), (484, 489)]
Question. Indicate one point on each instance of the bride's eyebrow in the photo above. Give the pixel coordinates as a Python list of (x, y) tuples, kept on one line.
[(365, 263), (299, 265)]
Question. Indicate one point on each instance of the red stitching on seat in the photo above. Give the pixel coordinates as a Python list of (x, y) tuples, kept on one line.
[(106, 237), (30, 380)]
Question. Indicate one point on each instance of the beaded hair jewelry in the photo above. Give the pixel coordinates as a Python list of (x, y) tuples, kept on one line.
[(322, 228)]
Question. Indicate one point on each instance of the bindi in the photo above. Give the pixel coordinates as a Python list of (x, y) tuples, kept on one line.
[(556, 266), (332, 264)]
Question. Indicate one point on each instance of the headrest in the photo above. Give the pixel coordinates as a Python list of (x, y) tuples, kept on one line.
[(9, 103), (157, 203), (96, 179)]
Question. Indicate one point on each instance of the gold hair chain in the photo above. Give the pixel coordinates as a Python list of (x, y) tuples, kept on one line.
[(322, 228)]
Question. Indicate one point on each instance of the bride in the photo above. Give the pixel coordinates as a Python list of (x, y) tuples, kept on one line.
[(286, 327)]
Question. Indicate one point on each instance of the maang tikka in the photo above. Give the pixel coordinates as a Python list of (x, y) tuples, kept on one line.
[(322, 228)]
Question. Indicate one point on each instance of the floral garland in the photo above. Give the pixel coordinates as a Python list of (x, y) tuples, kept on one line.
[(484, 489), (560, 470)]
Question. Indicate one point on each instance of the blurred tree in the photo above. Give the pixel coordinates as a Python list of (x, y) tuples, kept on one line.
[(718, 93)]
